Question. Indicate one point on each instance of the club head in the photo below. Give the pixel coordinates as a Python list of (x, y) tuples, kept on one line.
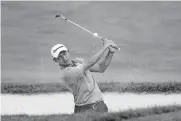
[(57, 16)]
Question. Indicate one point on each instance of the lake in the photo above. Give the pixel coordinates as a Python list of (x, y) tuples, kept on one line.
[(62, 103)]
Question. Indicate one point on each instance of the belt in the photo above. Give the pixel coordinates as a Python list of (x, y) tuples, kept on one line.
[(91, 105)]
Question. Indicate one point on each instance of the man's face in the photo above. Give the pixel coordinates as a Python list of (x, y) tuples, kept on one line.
[(64, 58)]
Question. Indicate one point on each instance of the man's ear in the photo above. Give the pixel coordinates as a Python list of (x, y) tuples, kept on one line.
[(54, 59)]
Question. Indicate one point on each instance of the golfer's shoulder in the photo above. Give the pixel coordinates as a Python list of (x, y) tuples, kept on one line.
[(74, 69), (79, 60), (67, 72)]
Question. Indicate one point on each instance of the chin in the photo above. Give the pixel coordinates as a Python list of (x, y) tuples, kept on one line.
[(67, 63)]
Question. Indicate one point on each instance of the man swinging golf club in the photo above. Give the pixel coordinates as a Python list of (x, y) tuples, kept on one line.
[(76, 75)]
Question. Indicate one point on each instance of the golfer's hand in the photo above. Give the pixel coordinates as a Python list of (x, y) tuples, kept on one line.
[(111, 49), (109, 43), (106, 42)]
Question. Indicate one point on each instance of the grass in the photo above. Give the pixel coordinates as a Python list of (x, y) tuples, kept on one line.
[(165, 87), (172, 116), (14, 88), (147, 114)]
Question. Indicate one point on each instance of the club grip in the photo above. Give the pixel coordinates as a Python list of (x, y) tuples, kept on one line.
[(116, 47)]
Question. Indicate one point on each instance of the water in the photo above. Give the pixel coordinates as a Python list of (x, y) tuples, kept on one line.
[(62, 103)]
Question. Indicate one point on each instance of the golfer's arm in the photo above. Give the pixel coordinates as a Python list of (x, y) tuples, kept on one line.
[(94, 59), (103, 64)]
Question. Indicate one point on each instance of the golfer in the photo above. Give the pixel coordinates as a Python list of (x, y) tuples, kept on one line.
[(76, 75)]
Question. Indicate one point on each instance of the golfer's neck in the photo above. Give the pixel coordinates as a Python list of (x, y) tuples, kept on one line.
[(67, 64)]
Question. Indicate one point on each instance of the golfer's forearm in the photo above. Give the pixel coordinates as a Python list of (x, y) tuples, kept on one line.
[(105, 61), (94, 59)]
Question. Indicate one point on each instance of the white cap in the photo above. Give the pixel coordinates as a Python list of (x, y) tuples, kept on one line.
[(56, 49)]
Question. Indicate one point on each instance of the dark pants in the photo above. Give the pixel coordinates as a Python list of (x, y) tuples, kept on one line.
[(94, 107)]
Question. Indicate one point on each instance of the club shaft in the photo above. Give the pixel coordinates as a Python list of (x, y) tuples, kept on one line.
[(80, 26), (83, 28)]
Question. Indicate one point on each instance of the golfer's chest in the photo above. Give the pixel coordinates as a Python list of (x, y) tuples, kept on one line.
[(87, 79)]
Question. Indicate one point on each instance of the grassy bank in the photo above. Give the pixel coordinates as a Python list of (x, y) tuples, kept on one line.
[(165, 87), (171, 113)]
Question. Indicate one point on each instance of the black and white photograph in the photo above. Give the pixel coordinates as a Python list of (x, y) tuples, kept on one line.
[(91, 60)]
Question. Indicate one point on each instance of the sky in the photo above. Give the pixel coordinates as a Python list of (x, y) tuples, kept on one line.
[(148, 34)]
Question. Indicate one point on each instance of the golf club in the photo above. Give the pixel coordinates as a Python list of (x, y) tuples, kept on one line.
[(94, 34)]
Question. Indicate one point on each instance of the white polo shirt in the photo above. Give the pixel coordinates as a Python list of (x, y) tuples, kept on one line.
[(82, 84)]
